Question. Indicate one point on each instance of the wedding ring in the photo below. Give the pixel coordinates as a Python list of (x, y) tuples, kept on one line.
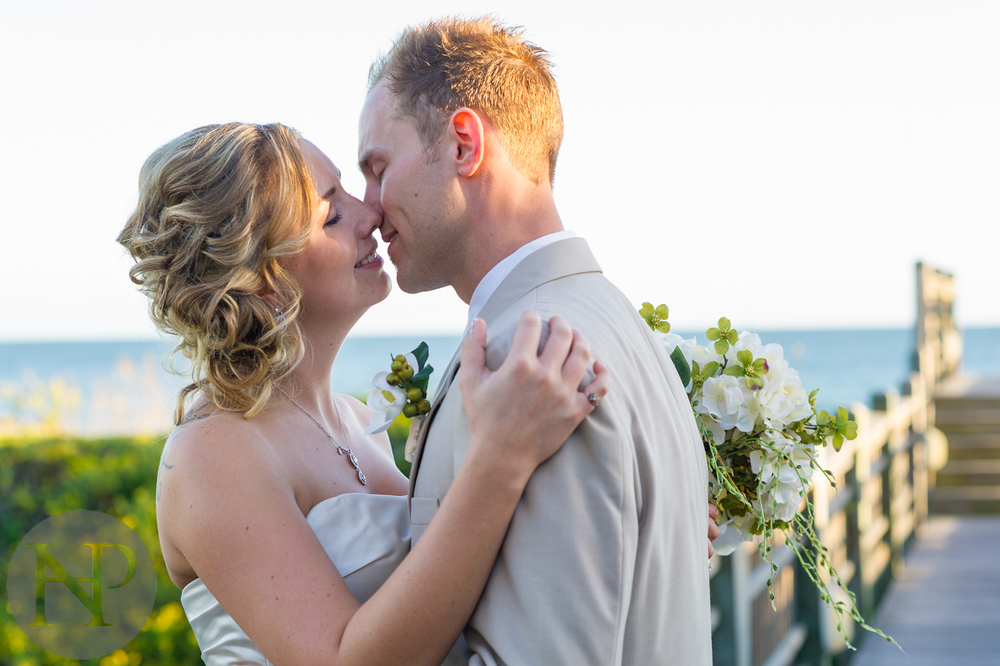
[(594, 400)]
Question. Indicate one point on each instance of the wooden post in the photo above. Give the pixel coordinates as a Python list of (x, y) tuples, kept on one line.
[(810, 610), (731, 642), (742, 619), (939, 344)]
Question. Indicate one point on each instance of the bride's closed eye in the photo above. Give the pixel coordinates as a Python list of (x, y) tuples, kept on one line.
[(333, 220)]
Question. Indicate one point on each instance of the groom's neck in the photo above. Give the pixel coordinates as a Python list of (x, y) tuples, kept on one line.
[(503, 222)]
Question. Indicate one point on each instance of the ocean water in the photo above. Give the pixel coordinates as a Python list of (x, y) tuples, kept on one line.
[(97, 388), (125, 387)]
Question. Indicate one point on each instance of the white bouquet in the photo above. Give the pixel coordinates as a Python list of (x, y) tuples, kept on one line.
[(761, 432)]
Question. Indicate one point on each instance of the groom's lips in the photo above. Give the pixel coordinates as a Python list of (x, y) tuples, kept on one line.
[(388, 236)]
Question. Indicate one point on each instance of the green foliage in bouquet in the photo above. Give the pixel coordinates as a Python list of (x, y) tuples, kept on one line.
[(761, 433), (723, 336), (655, 317)]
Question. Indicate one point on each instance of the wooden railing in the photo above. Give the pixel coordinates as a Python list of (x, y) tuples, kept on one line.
[(883, 477)]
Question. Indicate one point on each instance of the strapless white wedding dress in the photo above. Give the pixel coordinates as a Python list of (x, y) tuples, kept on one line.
[(366, 537)]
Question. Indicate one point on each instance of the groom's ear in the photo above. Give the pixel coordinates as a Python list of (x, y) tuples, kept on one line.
[(467, 131)]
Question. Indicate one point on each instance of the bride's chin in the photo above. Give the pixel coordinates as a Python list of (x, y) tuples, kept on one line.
[(377, 297), (388, 288), (378, 293)]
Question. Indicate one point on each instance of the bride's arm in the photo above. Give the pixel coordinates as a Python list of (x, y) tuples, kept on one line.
[(245, 535), (436, 588)]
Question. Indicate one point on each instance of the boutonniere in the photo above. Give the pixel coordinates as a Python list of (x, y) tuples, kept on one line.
[(402, 390)]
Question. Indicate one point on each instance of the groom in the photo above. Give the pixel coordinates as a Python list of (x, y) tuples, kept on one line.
[(604, 562)]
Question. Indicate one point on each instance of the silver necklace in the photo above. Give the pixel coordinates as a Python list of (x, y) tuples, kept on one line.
[(340, 449)]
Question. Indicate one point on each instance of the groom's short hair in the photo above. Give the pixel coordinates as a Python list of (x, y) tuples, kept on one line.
[(440, 66)]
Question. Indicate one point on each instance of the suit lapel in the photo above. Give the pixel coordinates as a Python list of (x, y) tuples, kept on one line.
[(425, 424)]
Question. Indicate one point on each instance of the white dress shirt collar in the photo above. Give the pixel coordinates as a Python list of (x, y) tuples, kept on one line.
[(498, 273)]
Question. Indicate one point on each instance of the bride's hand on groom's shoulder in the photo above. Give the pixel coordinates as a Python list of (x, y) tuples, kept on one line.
[(524, 410)]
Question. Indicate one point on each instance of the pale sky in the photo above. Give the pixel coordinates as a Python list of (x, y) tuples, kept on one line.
[(780, 163)]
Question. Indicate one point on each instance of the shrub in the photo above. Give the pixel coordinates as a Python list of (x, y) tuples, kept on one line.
[(40, 478)]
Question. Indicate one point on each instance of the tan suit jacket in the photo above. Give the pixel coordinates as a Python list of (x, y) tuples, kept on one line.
[(605, 560)]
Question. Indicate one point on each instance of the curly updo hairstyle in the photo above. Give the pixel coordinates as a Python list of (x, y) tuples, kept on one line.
[(218, 207)]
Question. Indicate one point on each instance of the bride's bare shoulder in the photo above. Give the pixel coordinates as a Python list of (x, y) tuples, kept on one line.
[(361, 414), (358, 408), (206, 428), (219, 476), (211, 445)]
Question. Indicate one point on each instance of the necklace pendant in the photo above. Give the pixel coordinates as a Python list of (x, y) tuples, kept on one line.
[(354, 461), (341, 450)]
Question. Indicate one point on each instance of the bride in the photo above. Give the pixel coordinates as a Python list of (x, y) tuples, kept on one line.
[(283, 524)]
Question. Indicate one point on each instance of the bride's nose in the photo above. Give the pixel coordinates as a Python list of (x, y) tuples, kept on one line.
[(371, 219)]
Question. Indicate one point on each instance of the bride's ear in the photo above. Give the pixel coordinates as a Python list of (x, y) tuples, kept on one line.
[(467, 130), (273, 303), (270, 298)]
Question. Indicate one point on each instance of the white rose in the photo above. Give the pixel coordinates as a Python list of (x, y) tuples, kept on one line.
[(721, 397)]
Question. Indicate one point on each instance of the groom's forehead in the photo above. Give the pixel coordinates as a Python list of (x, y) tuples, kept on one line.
[(376, 116), (381, 105), (383, 124)]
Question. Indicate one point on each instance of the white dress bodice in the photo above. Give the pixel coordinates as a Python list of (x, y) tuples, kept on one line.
[(366, 537)]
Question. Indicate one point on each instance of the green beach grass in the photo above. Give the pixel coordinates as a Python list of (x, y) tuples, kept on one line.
[(43, 473)]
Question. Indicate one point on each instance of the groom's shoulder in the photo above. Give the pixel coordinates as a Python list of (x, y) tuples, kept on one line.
[(591, 304), (588, 300)]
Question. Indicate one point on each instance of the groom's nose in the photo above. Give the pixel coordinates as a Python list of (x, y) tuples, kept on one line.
[(373, 197), (372, 219)]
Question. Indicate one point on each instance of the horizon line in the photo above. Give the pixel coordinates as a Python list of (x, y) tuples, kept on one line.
[(456, 334)]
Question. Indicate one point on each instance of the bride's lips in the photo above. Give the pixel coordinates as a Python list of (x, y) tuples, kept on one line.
[(371, 261)]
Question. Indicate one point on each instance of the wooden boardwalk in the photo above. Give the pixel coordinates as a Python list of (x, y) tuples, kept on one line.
[(944, 608), (931, 448), (968, 413)]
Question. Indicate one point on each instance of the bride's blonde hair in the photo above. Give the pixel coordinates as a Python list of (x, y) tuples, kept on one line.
[(218, 207)]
